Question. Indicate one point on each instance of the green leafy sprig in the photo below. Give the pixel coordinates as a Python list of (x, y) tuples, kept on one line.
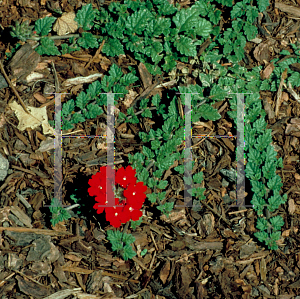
[(157, 33), (59, 214), (120, 242), (87, 104), (261, 170)]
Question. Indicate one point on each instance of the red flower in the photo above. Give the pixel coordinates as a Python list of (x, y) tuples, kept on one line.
[(130, 213), (135, 195), (124, 177), (98, 183), (113, 214), (125, 208)]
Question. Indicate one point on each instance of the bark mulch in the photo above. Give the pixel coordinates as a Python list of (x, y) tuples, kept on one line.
[(207, 253)]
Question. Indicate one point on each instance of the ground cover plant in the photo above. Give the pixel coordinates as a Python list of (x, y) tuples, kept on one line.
[(202, 46)]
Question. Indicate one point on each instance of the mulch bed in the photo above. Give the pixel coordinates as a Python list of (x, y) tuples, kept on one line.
[(208, 253)]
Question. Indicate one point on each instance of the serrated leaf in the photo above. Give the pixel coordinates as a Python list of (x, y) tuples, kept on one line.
[(47, 47), (85, 17), (162, 184), (77, 118), (251, 13), (262, 224), (113, 47), (277, 222), (114, 236), (152, 197), (128, 239), (262, 5), (87, 40), (166, 208), (207, 112), (168, 125), (143, 175), (198, 178), (258, 204), (156, 100), (115, 29), (185, 46), (94, 89), (135, 224), (120, 91), (81, 100), (128, 79), (68, 107), (67, 49), (115, 72), (203, 28), (158, 26), (250, 31), (180, 169), (153, 51), (218, 93), (237, 10), (186, 19), (67, 125), (128, 252), (147, 113), (294, 79), (165, 8), (261, 236), (137, 22), (93, 111), (43, 26)]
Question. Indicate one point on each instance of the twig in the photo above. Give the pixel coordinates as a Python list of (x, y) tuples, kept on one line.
[(34, 230), (12, 87), (96, 54), (292, 92), (72, 207), (217, 213), (279, 92), (57, 88), (37, 38)]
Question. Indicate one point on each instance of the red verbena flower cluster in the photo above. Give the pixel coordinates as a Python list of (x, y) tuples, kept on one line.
[(129, 195)]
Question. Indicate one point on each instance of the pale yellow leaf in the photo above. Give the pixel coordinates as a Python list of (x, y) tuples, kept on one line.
[(65, 24), (35, 118)]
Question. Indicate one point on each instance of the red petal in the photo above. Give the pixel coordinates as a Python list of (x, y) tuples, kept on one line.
[(136, 215)]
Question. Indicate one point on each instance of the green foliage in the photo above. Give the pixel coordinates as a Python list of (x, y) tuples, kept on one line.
[(47, 47), (21, 31), (44, 26), (160, 150), (293, 78), (179, 32), (69, 48), (120, 242), (234, 39), (13, 51), (266, 184), (87, 40), (85, 17), (59, 214), (159, 34), (87, 104), (135, 224)]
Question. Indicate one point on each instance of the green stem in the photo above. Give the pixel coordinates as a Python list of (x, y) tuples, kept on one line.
[(54, 37)]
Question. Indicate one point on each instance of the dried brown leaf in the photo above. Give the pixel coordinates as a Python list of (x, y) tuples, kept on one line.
[(65, 24)]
